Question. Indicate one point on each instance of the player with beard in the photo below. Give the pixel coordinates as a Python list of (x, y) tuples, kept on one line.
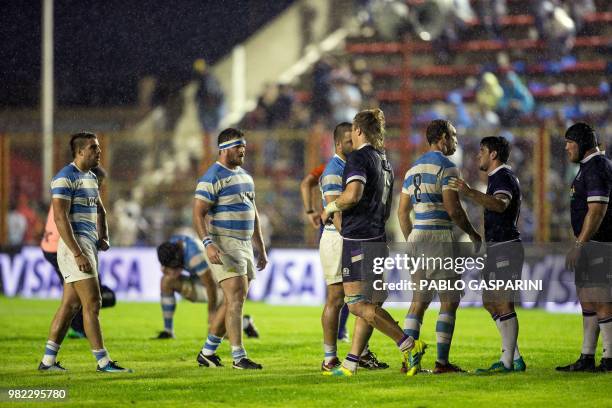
[(365, 203)]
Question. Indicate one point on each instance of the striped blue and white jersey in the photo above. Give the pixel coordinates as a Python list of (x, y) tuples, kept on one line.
[(81, 189), (330, 182), (194, 258), (232, 195), (424, 183)]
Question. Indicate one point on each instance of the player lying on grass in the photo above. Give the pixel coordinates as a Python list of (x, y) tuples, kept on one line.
[(180, 254)]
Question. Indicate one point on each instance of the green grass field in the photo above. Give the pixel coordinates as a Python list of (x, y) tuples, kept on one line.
[(290, 350)]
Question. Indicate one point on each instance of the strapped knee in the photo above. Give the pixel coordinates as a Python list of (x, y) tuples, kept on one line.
[(354, 299)]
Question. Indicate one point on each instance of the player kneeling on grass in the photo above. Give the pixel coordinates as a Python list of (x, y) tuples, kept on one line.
[(183, 253)]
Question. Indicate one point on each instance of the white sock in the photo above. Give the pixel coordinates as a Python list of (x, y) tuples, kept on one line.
[(590, 332), (605, 325), (330, 352), (508, 326), (517, 353), (350, 362), (102, 357), (51, 350), (238, 353)]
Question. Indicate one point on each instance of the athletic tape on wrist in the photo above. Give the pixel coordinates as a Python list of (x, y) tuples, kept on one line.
[(332, 208)]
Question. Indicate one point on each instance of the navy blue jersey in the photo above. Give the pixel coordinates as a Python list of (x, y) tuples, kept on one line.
[(502, 227), (593, 184), (367, 219)]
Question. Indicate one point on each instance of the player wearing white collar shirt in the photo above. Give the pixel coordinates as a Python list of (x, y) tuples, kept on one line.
[(505, 254), (590, 257)]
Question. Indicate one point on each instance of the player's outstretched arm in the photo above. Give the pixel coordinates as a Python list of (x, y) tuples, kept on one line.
[(200, 209), (497, 202), (403, 214), (103, 240), (260, 246), (348, 199), (456, 212)]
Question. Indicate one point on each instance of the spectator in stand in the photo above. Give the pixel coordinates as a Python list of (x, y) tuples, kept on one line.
[(265, 105), (17, 227), (517, 101), (555, 27), (344, 97), (34, 222), (280, 111), (490, 12), (490, 91), (129, 221), (578, 10), (321, 87), (210, 97)]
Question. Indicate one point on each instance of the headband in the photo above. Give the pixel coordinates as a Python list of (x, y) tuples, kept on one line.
[(232, 143)]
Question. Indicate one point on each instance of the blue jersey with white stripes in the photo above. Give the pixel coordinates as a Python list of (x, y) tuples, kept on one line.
[(424, 183), (194, 258), (330, 182), (81, 189), (232, 195)]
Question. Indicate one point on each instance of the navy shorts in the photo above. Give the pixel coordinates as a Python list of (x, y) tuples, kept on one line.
[(594, 268), (504, 261), (358, 258)]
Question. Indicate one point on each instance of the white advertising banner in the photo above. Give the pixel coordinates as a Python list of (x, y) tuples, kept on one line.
[(133, 273), (292, 277)]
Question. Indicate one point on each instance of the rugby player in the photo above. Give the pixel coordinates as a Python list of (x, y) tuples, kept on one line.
[(505, 254), (81, 222), (330, 250), (183, 253), (49, 243), (307, 186), (590, 256), (365, 205), (227, 194), (437, 207)]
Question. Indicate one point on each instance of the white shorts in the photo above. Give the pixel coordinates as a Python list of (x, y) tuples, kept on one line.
[(67, 264), (425, 242), (237, 259), (330, 252)]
